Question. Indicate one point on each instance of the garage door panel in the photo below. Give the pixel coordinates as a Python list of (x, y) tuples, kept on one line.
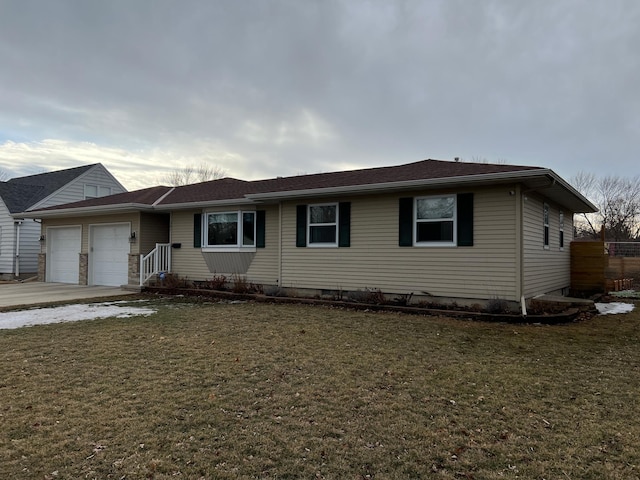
[(109, 254), (63, 254)]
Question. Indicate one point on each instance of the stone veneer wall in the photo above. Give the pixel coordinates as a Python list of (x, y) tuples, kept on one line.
[(134, 269), (84, 269), (42, 267)]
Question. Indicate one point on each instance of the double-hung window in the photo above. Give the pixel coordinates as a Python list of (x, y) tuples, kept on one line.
[(95, 191), (323, 225), (435, 219), (230, 229), (561, 230)]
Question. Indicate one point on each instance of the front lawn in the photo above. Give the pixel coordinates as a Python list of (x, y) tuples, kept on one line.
[(222, 390)]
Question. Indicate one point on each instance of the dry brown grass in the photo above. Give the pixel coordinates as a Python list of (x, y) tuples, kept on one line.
[(281, 391)]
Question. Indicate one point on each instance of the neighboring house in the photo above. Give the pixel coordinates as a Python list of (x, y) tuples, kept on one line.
[(19, 236), (434, 228)]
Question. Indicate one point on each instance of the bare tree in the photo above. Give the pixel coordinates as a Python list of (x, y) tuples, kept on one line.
[(479, 159), (618, 202), (4, 175), (193, 174)]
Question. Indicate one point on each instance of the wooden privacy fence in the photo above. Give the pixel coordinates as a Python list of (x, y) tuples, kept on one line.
[(598, 267), (588, 263)]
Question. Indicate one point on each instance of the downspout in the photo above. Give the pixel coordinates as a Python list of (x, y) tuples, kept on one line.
[(17, 267), (279, 280)]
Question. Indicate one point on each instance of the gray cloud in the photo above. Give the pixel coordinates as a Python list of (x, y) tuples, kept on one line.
[(280, 87)]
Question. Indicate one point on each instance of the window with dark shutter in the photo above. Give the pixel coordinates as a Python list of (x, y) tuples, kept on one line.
[(436, 221)]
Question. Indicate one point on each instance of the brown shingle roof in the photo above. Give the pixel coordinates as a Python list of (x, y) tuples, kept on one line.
[(229, 188), (234, 189)]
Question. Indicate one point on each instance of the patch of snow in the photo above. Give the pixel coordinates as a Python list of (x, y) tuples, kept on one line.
[(625, 294), (70, 313), (613, 308)]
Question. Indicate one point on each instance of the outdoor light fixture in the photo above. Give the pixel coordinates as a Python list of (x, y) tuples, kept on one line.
[(43, 238), (132, 237)]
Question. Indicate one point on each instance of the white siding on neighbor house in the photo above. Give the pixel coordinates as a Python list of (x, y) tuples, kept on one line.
[(188, 261), (74, 190), (7, 239), (29, 246), (545, 270), (374, 260)]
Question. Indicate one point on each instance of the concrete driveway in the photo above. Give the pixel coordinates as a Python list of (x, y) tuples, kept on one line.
[(33, 293)]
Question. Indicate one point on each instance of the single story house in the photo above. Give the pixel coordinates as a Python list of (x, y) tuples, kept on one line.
[(19, 235), (439, 229)]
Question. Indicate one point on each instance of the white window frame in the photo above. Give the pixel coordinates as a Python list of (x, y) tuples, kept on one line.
[(453, 220), (100, 191), (239, 246), (327, 224), (104, 191), (87, 195), (546, 232)]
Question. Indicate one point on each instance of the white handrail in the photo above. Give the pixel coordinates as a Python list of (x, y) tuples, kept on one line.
[(156, 261)]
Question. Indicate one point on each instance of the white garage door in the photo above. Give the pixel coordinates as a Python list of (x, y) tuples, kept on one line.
[(63, 259), (109, 254)]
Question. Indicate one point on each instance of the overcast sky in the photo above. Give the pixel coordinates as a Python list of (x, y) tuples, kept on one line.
[(265, 88)]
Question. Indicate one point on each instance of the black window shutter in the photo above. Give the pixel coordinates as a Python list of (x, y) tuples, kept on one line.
[(301, 226), (405, 226), (260, 229), (344, 227), (197, 230), (465, 219)]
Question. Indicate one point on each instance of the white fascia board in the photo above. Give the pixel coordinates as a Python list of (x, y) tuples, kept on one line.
[(574, 192)]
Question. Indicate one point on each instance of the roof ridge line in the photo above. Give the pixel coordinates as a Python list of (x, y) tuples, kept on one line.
[(162, 197)]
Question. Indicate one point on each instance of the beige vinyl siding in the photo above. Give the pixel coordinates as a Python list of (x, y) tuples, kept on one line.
[(189, 262), (154, 228), (374, 259), (545, 270), (264, 268), (132, 218)]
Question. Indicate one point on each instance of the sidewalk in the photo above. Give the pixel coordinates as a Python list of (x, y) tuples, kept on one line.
[(34, 293)]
